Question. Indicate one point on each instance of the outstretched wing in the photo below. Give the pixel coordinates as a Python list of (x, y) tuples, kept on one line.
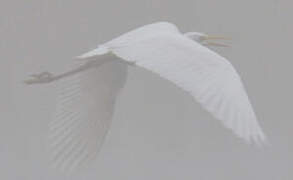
[(83, 115), (207, 76)]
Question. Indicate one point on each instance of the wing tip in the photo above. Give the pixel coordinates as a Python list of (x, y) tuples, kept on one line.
[(259, 140), (71, 166)]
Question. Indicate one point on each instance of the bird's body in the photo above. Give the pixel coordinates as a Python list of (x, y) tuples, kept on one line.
[(161, 48)]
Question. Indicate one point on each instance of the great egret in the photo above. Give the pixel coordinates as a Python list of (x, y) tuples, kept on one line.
[(182, 58)]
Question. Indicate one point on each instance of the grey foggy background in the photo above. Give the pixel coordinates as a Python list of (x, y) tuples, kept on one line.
[(158, 131)]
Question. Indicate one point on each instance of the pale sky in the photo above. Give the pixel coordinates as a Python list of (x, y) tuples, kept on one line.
[(158, 131)]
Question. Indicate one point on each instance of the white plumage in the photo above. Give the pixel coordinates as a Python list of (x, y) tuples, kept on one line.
[(83, 113), (86, 102)]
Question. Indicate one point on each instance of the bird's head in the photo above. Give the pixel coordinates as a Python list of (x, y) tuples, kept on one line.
[(203, 39)]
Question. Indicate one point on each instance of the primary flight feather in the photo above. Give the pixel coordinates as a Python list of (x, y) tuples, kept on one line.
[(87, 95)]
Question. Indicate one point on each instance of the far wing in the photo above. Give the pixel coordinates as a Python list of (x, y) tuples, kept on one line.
[(207, 76), (84, 110)]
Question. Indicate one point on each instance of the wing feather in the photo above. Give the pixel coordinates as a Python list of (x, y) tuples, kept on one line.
[(207, 76), (83, 114)]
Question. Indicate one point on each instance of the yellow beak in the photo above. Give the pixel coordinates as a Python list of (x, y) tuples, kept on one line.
[(215, 43)]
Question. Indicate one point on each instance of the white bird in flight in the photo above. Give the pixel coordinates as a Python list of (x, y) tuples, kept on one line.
[(88, 92)]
